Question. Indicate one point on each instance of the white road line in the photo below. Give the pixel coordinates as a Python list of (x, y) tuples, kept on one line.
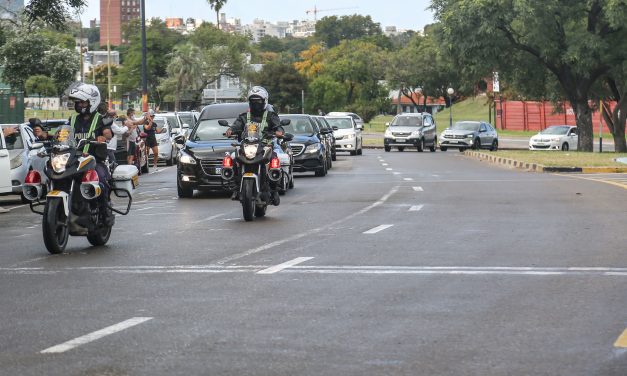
[(277, 243), (418, 189), (377, 229), (396, 173), (416, 208), (285, 265), (384, 164), (208, 218), (17, 207), (388, 169), (69, 345), (408, 179), (146, 208)]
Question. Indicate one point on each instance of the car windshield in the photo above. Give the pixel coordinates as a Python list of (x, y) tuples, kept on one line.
[(466, 126), (15, 140), (340, 123), (209, 129), (556, 130), (187, 119), (407, 121), (172, 121), (299, 125)]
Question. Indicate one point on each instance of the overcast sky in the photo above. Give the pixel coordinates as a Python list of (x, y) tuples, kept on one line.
[(404, 14)]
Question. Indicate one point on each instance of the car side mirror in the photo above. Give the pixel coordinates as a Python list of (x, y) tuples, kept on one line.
[(360, 127), (37, 145), (288, 136), (335, 128), (179, 140), (387, 124), (223, 123), (185, 126), (285, 122)]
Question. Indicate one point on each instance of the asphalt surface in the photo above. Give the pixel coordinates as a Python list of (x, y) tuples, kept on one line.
[(393, 264)]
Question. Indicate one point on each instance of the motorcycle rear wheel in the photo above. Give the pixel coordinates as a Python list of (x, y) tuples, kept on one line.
[(248, 199), (55, 229)]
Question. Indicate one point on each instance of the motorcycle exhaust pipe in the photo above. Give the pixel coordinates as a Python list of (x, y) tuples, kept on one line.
[(227, 173), (32, 192), (90, 190), (274, 174)]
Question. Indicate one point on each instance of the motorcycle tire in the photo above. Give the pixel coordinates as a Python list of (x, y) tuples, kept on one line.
[(55, 229), (260, 211), (248, 199), (100, 236)]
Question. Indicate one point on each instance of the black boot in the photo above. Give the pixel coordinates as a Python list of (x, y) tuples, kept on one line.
[(235, 195), (276, 200)]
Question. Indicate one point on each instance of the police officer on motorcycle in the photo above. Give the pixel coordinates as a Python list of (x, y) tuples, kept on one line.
[(260, 113), (88, 124)]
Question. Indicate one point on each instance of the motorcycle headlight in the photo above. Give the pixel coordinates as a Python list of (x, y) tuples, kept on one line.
[(186, 159), (59, 162), (250, 151), (17, 161), (314, 148)]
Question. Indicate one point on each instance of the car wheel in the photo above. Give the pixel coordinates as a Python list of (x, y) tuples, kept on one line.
[(290, 185), (421, 145), (443, 148), (461, 150), (183, 191), (401, 148), (433, 147), (565, 146), (146, 167), (353, 152), (360, 151), (322, 171), (170, 161), (495, 146), (387, 148), (334, 157), (476, 145)]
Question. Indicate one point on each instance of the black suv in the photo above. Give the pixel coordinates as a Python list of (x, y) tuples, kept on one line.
[(308, 145), (200, 162)]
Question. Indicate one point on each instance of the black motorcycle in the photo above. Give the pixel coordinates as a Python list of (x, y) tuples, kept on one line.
[(257, 167), (72, 198)]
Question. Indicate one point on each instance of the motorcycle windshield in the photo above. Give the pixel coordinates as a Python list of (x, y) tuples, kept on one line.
[(65, 136), (252, 130)]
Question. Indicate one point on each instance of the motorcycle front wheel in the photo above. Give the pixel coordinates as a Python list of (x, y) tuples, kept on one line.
[(100, 236), (248, 199), (55, 228)]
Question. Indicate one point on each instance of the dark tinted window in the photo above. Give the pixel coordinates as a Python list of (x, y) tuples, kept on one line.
[(466, 126), (300, 124)]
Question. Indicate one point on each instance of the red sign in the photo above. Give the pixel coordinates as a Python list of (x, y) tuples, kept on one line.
[(12, 102)]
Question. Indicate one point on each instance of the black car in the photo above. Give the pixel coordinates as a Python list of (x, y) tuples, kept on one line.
[(308, 146), (327, 132), (200, 161)]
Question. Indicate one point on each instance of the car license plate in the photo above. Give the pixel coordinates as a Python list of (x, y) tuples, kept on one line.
[(218, 170), (453, 142), (401, 140)]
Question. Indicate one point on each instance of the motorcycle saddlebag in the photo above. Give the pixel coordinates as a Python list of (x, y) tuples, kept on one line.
[(125, 177)]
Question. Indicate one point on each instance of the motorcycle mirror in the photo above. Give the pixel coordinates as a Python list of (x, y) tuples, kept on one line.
[(180, 139), (37, 145), (285, 122), (223, 123), (288, 136)]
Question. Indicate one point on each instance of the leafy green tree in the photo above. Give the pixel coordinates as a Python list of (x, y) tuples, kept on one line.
[(613, 88), (325, 93), (52, 12), (57, 38), (184, 72), (575, 42), (268, 43), (217, 5), (40, 85), (21, 57), (62, 65), (283, 83), (332, 30)]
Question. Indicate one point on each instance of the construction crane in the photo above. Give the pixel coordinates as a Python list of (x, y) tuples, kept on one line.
[(315, 11)]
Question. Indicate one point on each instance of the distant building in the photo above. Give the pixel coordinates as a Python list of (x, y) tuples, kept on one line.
[(10, 8), (95, 23), (260, 28), (114, 14)]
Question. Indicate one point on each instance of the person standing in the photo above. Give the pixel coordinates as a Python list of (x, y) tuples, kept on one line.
[(150, 128)]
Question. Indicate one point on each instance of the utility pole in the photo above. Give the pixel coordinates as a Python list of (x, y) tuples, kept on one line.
[(144, 67), (109, 52)]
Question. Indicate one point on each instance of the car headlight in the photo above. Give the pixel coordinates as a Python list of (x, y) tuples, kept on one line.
[(350, 136), (314, 148), (250, 150), (185, 158), (388, 133), (470, 135), (415, 134), (556, 139), (59, 161), (17, 161)]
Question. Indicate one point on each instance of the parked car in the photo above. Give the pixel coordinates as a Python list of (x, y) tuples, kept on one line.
[(21, 156), (411, 129), (5, 167), (309, 148), (200, 159), (175, 123), (470, 134), (555, 137), (187, 119), (347, 134), (165, 139), (324, 124), (358, 120)]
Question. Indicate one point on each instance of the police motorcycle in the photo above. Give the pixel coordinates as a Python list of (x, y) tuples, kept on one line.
[(253, 162), (71, 197)]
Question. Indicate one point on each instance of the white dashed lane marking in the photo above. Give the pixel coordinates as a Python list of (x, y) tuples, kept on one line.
[(283, 266), (377, 229), (416, 208), (418, 189)]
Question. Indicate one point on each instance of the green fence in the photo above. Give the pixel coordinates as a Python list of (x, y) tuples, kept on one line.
[(11, 107)]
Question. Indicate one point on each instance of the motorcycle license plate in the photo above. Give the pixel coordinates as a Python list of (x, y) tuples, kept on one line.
[(54, 193), (249, 174), (401, 140)]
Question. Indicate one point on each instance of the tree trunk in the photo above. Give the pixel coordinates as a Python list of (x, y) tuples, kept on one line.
[(583, 118), (615, 121), (218, 19)]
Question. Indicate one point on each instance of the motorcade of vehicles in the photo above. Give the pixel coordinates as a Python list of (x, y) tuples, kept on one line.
[(347, 134), (411, 130), (358, 120), (469, 134), (324, 125), (5, 167), (22, 157), (256, 166), (200, 159), (555, 137), (72, 205), (309, 149), (165, 140)]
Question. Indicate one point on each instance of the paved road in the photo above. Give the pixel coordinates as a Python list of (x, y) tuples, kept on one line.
[(394, 264)]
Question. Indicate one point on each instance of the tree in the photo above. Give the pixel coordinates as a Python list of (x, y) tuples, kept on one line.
[(614, 88), (40, 85), (332, 30), (184, 72), (61, 64), (574, 41), (217, 5), (21, 59), (311, 61), (52, 12), (283, 83)]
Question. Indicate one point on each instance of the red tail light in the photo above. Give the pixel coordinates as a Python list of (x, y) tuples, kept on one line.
[(91, 176), (32, 177), (227, 161), (275, 163)]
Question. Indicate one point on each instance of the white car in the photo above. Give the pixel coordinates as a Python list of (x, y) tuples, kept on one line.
[(5, 167), (359, 121), (555, 137), (165, 140), (347, 134)]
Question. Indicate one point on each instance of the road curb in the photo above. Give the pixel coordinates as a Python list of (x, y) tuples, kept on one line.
[(541, 168)]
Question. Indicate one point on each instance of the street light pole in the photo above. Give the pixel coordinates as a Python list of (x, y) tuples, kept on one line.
[(144, 66), (109, 51), (450, 93)]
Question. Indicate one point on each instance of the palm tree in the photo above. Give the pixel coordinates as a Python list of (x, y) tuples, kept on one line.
[(217, 5), (184, 70)]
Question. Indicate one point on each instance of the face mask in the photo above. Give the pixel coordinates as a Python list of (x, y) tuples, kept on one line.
[(256, 107), (79, 109)]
